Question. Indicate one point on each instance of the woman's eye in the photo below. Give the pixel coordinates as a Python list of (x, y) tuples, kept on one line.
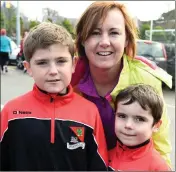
[(95, 33), (114, 33)]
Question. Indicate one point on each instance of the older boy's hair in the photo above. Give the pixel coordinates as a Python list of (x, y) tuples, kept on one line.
[(146, 96), (45, 35)]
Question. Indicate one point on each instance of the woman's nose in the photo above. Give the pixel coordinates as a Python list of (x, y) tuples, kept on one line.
[(104, 41)]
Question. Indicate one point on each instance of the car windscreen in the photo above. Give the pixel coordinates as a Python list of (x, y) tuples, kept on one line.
[(14, 46), (150, 49)]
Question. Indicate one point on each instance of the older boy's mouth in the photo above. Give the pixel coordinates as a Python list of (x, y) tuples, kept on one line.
[(53, 80)]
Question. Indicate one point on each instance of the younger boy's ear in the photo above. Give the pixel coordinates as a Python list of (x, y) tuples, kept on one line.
[(28, 68), (157, 126)]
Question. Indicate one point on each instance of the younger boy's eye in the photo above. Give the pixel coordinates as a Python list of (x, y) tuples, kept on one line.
[(121, 115), (139, 119), (42, 63)]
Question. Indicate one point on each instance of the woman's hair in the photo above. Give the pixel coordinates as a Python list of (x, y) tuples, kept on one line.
[(3, 31), (96, 13)]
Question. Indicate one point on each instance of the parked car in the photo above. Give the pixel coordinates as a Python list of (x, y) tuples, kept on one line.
[(154, 51), (15, 51), (170, 50)]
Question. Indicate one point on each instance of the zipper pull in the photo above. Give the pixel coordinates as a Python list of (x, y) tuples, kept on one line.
[(51, 100)]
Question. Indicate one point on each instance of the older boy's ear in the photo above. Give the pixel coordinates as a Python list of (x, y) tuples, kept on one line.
[(74, 64), (157, 126), (28, 68)]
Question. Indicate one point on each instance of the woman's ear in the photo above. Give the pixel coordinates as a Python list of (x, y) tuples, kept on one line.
[(126, 43)]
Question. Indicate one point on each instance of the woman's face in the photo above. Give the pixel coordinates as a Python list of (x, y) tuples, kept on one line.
[(105, 46)]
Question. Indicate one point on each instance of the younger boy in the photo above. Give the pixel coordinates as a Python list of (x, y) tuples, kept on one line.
[(51, 128), (138, 115)]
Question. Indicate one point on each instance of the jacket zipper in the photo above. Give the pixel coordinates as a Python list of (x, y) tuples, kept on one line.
[(52, 122)]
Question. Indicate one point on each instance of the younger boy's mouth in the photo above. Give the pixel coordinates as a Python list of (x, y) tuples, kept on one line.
[(129, 135)]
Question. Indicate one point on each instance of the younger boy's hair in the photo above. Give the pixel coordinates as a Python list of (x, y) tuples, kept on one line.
[(146, 96), (44, 35)]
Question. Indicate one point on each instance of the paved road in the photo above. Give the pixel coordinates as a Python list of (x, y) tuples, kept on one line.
[(15, 83)]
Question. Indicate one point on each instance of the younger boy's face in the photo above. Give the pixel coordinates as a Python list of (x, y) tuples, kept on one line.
[(51, 68), (133, 125)]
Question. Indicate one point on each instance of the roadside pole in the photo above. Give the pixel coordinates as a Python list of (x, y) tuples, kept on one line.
[(151, 29), (18, 24)]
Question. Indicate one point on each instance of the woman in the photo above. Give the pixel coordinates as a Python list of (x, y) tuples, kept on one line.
[(106, 47), (5, 49)]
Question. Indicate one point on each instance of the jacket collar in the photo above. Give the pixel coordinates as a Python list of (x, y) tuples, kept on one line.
[(58, 99), (133, 152), (86, 84)]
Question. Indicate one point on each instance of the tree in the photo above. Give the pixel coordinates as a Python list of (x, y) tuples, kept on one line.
[(50, 15), (33, 23), (159, 36), (10, 19), (66, 23), (2, 20), (142, 30)]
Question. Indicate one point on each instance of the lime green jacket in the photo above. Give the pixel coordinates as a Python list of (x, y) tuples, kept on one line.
[(136, 71)]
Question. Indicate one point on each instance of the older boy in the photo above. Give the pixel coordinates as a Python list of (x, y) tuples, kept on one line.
[(51, 127), (138, 115)]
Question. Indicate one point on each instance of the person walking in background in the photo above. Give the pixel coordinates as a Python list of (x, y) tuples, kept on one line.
[(20, 55), (5, 50)]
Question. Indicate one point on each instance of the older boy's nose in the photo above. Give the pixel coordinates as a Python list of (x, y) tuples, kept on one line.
[(53, 69)]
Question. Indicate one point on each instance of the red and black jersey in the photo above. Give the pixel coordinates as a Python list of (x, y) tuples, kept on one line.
[(43, 132), (138, 158)]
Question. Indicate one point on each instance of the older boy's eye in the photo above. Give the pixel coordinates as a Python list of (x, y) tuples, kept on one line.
[(41, 63), (61, 61)]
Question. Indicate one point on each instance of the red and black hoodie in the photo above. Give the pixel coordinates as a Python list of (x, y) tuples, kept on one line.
[(43, 132)]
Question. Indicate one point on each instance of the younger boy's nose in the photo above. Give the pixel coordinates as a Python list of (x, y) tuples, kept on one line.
[(129, 124)]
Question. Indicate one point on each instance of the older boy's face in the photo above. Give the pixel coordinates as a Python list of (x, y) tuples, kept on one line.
[(51, 68), (133, 125)]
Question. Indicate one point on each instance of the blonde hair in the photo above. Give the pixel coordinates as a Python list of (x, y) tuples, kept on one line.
[(45, 35), (96, 12)]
